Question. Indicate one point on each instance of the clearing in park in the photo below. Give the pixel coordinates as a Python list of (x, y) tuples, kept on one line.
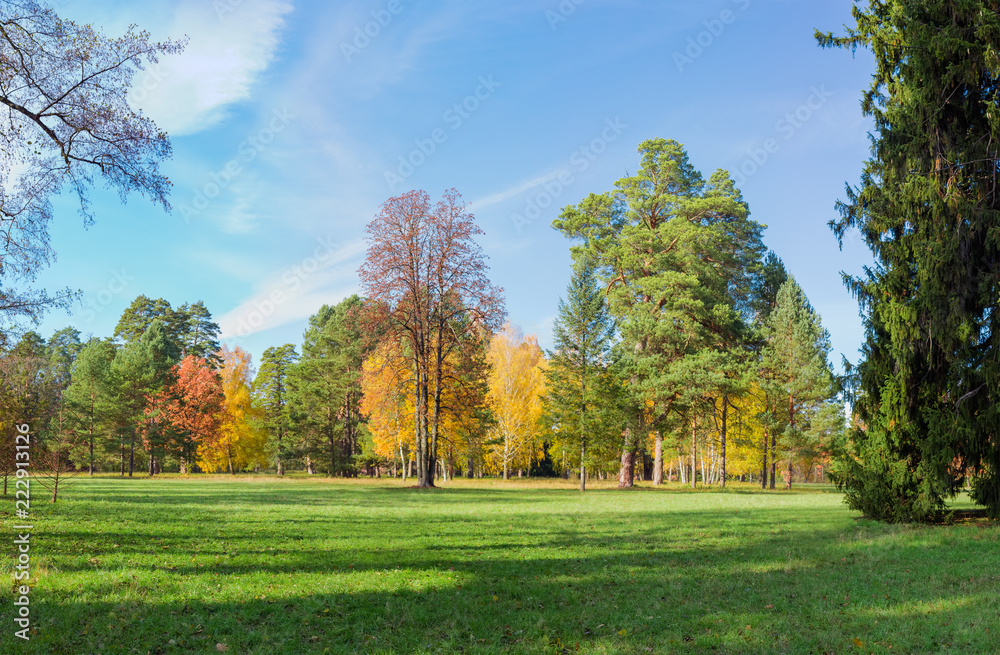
[(261, 565)]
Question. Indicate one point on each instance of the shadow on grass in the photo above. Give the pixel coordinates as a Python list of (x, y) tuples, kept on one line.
[(739, 599)]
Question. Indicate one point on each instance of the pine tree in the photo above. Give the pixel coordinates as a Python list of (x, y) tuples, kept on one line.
[(271, 393), (795, 366), (88, 394), (325, 389), (927, 206), (138, 316), (197, 334), (582, 334), (675, 254)]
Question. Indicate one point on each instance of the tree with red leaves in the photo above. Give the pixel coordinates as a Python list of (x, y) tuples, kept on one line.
[(192, 406), (427, 279)]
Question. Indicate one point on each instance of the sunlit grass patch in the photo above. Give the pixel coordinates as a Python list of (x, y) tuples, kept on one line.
[(264, 565)]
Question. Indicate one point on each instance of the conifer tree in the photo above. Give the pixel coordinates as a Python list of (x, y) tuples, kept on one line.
[(798, 375), (325, 388), (928, 206), (582, 335), (271, 394), (675, 254), (88, 394)]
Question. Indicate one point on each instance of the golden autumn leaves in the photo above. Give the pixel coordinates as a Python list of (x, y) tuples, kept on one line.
[(506, 438), (215, 407)]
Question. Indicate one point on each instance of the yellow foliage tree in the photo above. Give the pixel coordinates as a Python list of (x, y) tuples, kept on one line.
[(386, 381), (747, 434), (241, 442), (515, 389)]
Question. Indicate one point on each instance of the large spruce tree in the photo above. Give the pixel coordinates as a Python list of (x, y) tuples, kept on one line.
[(927, 206)]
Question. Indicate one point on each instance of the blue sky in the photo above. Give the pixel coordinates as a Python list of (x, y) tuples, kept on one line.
[(292, 121)]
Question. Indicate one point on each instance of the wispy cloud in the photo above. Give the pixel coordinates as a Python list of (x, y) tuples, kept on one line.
[(512, 192), (227, 51), (325, 276)]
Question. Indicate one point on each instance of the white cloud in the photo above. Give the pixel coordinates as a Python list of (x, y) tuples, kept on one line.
[(513, 191), (192, 91), (325, 276)]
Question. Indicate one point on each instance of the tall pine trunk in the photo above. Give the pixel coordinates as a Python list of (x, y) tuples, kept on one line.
[(658, 459), (694, 451), (628, 460), (763, 470), (725, 421)]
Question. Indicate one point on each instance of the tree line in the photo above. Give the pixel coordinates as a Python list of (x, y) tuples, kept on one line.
[(682, 350)]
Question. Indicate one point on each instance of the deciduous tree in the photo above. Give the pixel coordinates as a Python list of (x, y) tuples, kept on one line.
[(66, 121), (516, 386), (426, 278)]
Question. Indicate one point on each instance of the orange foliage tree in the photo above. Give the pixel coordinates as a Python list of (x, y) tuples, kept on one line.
[(240, 442), (385, 383), (192, 406)]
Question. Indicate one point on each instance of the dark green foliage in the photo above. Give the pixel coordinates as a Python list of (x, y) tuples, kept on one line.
[(197, 334), (582, 334), (928, 206), (88, 395), (189, 327), (270, 389), (325, 390), (676, 256), (794, 370), (140, 314)]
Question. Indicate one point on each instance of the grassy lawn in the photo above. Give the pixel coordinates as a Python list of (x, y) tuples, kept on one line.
[(262, 565)]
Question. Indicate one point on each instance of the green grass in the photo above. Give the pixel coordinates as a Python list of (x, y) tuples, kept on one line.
[(264, 566)]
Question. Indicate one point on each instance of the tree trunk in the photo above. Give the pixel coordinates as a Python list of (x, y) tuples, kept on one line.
[(791, 424), (763, 471), (90, 439), (694, 450), (55, 473), (131, 454), (469, 474), (658, 459), (628, 460), (774, 444), (725, 419), (583, 466)]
